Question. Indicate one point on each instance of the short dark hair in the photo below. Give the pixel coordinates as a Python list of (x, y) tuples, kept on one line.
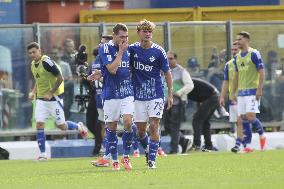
[(107, 37), (245, 34), (33, 45), (119, 27), (175, 54)]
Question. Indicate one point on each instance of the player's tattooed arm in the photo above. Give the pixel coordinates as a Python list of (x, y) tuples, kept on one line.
[(58, 82)]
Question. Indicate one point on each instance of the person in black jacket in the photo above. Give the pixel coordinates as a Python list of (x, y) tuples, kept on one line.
[(207, 97)]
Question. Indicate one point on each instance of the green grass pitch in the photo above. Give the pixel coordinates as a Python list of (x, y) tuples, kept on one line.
[(260, 170)]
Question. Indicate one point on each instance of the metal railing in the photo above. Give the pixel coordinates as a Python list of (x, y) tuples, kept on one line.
[(200, 40)]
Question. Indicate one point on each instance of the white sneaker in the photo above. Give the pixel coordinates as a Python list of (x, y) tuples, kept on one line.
[(223, 112), (42, 157), (83, 130), (216, 114)]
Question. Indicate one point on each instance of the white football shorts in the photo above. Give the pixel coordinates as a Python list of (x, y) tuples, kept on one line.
[(46, 109), (248, 104), (115, 107), (146, 109)]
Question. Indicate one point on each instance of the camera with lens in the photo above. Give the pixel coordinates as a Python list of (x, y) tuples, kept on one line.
[(83, 97), (81, 58)]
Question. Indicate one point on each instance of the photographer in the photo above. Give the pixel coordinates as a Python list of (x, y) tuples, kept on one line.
[(85, 89)]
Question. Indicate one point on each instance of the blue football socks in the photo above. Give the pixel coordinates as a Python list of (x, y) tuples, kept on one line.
[(256, 124), (112, 143), (247, 133), (127, 141), (238, 142), (40, 136), (71, 125), (144, 142), (135, 142), (153, 148)]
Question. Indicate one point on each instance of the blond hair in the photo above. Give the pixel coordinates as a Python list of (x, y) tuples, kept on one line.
[(145, 25)]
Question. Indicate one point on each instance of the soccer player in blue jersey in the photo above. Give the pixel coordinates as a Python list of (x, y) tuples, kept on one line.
[(117, 93), (249, 80), (147, 59)]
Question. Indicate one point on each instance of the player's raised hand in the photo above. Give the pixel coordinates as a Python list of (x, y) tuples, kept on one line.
[(96, 75), (123, 46)]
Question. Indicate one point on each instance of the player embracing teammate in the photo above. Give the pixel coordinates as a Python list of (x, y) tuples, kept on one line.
[(145, 60)]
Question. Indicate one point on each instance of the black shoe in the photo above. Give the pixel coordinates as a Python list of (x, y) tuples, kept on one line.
[(185, 145), (209, 149), (235, 149), (152, 165), (147, 157)]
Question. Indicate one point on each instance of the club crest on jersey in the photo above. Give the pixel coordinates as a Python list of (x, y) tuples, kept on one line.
[(152, 59), (135, 56)]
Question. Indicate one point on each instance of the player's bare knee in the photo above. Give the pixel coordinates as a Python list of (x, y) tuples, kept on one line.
[(250, 116), (127, 124), (40, 125), (112, 126)]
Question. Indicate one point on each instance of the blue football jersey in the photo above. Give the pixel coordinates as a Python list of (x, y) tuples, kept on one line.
[(98, 85), (147, 65), (115, 86)]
